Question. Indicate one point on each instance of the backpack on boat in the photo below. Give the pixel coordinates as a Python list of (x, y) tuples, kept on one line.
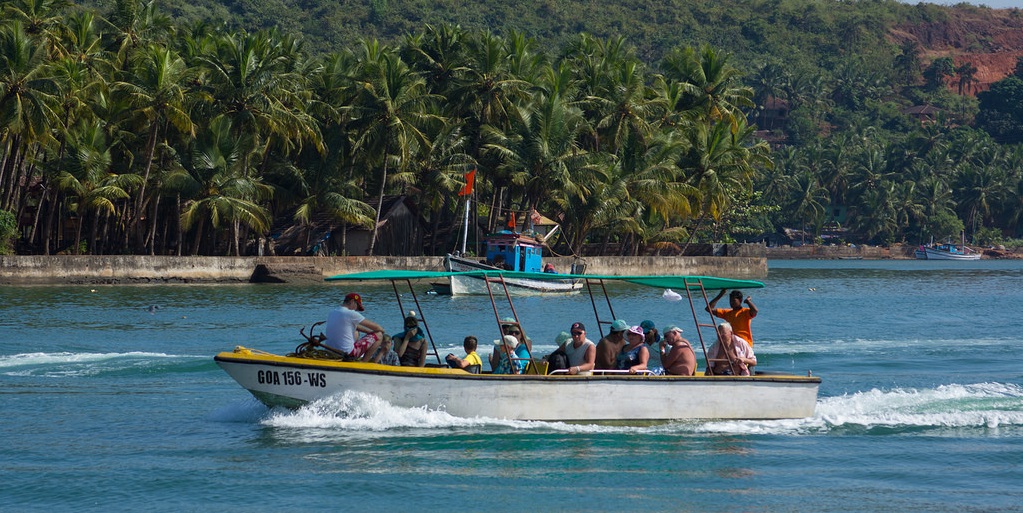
[(557, 360)]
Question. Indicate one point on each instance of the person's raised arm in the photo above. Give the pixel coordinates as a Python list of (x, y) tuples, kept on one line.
[(400, 349), (714, 302), (752, 308)]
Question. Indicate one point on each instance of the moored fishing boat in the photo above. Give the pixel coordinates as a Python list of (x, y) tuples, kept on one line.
[(291, 381), (946, 252), (507, 251)]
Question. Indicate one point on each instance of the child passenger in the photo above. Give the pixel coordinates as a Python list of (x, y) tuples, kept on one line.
[(385, 354), (471, 358)]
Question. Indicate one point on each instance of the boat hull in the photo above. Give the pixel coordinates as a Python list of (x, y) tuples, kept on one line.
[(475, 285), (290, 382), (934, 254)]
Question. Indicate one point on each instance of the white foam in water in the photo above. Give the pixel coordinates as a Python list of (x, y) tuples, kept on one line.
[(982, 405), (364, 412), (19, 360), (985, 405), (361, 413), (74, 364)]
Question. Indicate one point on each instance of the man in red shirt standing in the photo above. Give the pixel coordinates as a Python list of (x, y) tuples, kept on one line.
[(738, 316)]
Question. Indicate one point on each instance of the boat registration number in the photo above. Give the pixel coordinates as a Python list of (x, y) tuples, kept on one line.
[(272, 377)]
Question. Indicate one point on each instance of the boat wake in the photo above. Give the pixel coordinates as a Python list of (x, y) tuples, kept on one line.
[(366, 413), (63, 365), (986, 406)]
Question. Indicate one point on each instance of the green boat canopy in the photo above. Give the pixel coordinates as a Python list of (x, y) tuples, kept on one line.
[(662, 281)]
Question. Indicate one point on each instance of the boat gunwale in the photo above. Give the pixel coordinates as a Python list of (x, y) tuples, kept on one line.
[(448, 373)]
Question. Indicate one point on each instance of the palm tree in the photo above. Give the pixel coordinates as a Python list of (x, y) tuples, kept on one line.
[(980, 189), (389, 109), (776, 182), (74, 85), (908, 209), (438, 55), (712, 89), (837, 170), (623, 108), (871, 169), (441, 174), (256, 80), (26, 105), (155, 88), (324, 182), (86, 179), (935, 197), (41, 20), (136, 24), (809, 200), (967, 76), (83, 42), (719, 163), (770, 81), (598, 199), (875, 215), (541, 151), (226, 193)]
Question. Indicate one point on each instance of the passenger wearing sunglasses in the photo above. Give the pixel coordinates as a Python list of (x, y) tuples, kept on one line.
[(510, 327), (581, 351)]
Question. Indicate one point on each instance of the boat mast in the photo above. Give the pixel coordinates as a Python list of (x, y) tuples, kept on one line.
[(465, 234)]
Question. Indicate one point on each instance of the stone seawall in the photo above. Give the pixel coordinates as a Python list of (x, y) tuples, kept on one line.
[(812, 252), (27, 270)]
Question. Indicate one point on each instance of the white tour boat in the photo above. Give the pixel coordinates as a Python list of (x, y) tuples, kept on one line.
[(291, 381)]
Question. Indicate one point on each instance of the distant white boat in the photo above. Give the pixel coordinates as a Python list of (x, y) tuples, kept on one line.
[(946, 252)]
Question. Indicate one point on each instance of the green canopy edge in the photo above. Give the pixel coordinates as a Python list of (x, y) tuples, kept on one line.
[(658, 281)]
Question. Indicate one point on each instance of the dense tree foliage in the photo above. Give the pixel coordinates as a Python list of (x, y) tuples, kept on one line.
[(126, 131)]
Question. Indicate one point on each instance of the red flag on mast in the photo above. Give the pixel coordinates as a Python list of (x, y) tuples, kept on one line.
[(470, 180)]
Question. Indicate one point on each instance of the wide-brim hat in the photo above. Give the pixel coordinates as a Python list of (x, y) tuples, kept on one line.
[(507, 340)]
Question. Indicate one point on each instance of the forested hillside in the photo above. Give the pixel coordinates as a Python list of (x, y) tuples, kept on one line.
[(802, 32), (176, 128)]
